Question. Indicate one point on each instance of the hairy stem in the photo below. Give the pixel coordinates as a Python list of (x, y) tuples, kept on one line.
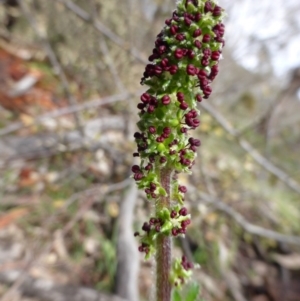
[(163, 245)]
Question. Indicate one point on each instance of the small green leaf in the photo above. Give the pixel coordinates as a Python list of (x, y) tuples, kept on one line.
[(193, 292), (176, 296)]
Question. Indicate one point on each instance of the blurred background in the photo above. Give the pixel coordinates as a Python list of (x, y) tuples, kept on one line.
[(69, 85)]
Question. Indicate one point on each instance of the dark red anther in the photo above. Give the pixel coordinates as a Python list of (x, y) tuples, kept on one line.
[(180, 37), (198, 17), (151, 109), (163, 160), (173, 29), (152, 186), (174, 232), (197, 33), (160, 139), (206, 38), (191, 70), (145, 97), (217, 11), (173, 69), (164, 62), (198, 44), (208, 7), (168, 22), (141, 106), (198, 97), (146, 227), (204, 62), (162, 49), (180, 96), (152, 129), (157, 228), (187, 21), (173, 214), (182, 189), (202, 74), (158, 70), (183, 106), (166, 100), (215, 55), (148, 167), (167, 130), (138, 176), (183, 211), (179, 53), (191, 54), (135, 169), (136, 234)]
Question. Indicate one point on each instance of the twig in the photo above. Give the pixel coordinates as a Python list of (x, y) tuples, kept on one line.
[(46, 290), (54, 61), (83, 15), (264, 162), (248, 227), (69, 110), (127, 251)]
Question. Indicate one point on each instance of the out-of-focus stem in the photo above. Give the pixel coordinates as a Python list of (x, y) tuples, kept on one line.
[(163, 244)]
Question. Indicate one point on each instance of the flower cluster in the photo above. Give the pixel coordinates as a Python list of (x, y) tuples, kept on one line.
[(182, 66), (181, 271)]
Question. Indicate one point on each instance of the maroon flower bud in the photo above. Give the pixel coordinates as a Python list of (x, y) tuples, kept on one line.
[(152, 129), (198, 17), (136, 154), (146, 227), (137, 135), (138, 176), (183, 211), (151, 109), (152, 221), (204, 62), (180, 96), (183, 130), (191, 54), (145, 97), (217, 11), (173, 69), (197, 33), (198, 97), (182, 189), (158, 70), (183, 106), (157, 228), (190, 69), (164, 62), (198, 44), (148, 167), (179, 53), (187, 21), (160, 139), (168, 22), (135, 169), (136, 234), (214, 70), (141, 106), (167, 130), (152, 186), (208, 7), (173, 29), (163, 160), (215, 55), (153, 195), (174, 232), (201, 74), (162, 49), (180, 37), (173, 214), (166, 100), (206, 38), (147, 191)]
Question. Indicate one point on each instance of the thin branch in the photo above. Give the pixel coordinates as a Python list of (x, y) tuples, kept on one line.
[(247, 226), (83, 15), (68, 110), (246, 146)]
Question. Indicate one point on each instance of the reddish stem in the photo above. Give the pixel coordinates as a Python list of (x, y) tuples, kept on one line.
[(163, 244)]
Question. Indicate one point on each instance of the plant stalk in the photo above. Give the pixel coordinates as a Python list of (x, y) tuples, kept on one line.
[(163, 244)]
